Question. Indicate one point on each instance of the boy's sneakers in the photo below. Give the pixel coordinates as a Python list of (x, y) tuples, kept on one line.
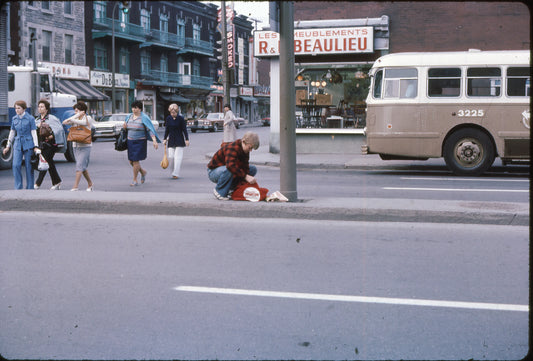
[(219, 197)]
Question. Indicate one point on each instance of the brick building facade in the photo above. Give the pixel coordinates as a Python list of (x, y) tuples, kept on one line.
[(435, 26), (58, 27)]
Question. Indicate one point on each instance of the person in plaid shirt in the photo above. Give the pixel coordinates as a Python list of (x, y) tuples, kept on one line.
[(230, 164)]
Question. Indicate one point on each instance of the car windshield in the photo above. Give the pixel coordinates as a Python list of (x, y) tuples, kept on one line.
[(212, 115)]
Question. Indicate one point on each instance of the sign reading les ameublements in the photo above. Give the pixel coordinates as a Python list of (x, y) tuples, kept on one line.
[(318, 41)]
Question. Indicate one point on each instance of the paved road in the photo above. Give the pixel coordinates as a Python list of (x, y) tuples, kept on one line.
[(178, 287)]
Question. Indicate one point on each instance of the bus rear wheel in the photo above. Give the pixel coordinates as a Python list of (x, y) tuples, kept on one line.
[(469, 152)]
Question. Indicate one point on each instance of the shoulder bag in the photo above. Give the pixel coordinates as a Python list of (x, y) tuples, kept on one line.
[(79, 133), (121, 143)]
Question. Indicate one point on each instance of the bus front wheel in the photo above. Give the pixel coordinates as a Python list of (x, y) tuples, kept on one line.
[(468, 152)]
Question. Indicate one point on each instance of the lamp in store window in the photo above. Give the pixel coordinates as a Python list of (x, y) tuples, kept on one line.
[(359, 74)]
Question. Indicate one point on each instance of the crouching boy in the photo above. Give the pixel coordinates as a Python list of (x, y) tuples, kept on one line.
[(230, 165)]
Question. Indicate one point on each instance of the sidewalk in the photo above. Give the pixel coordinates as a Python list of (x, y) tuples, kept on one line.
[(205, 205), (341, 209)]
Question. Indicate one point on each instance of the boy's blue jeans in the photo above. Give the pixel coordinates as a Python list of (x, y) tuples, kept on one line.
[(224, 179)]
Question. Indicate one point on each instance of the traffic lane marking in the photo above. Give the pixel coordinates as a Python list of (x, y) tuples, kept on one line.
[(457, 189), (465, 179), (358, 299)]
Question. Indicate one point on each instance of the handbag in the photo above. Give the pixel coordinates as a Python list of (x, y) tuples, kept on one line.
[(43, 164), (34, 161), (121, 143), (80, 134), (164, 162)]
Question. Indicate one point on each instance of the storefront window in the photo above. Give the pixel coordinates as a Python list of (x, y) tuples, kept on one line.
[(331, 98)]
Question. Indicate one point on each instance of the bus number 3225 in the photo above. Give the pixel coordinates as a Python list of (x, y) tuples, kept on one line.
[(470, 112)]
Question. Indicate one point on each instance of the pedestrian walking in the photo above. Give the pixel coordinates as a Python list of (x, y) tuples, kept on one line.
[(82, 151), (230, 131), (231, 164), (139, 126), (23, 138), (45, 123), (176, 138)]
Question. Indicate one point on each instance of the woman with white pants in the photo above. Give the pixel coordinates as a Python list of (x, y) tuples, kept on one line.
[(176, 138)]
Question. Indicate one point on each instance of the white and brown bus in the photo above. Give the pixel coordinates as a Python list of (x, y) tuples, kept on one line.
[(468, 107)]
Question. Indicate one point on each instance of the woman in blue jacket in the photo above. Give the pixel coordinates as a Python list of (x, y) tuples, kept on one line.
[(139, 126), (23, 137)]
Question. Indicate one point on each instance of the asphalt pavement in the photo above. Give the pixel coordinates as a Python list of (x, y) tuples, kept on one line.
[(319, 208)]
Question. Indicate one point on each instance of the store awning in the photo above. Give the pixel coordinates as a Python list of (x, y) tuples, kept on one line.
[(248, 99), (81, 89), (172, 97)]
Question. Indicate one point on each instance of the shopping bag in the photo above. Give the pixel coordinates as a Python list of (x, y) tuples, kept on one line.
[(43, 164), (164, 162)]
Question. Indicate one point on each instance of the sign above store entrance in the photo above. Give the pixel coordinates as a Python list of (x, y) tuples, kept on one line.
[(323, 41)]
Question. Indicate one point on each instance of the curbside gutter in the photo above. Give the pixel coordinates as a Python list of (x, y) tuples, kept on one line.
[(332, 209)]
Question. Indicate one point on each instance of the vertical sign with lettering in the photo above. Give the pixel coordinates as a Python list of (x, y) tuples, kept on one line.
[(230, 39)]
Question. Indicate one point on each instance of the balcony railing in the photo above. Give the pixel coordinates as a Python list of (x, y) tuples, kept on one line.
[(104, 27), (164, 39), (157, 77), (197, 46)]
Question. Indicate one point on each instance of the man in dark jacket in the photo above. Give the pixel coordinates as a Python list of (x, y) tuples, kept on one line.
[(230, 165)]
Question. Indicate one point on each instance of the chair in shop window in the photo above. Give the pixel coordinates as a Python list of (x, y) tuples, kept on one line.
[(308, 106), (349, 118)]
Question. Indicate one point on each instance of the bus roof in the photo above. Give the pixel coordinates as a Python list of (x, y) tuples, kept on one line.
[(458, 58)]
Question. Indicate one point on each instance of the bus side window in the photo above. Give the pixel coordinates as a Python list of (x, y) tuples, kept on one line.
[(401, 83), (11, 82), (484, 82), (444, 82), (518, 80), (378, 81), (45, 83), (408, 87)]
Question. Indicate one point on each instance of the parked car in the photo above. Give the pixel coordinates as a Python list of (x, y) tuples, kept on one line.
[(266, 121), (239, 121), (110, 125), (211, 122)]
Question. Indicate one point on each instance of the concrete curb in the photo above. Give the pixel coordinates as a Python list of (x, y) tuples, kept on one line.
[(339, 209)]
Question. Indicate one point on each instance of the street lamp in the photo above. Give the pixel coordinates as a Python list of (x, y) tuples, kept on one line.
[(125, 6)]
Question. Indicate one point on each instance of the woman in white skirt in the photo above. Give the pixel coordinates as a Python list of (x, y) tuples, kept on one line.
[(82, 151), (176, 138)]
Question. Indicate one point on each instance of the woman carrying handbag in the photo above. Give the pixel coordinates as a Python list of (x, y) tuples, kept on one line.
[(82, 146), (139, 128), (23, 138), (47, 143)]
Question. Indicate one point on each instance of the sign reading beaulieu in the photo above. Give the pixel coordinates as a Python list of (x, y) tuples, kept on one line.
[(318, 41)]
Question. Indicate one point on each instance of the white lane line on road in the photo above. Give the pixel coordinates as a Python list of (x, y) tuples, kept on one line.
[(457, 189), (465, 179), (360, 299)]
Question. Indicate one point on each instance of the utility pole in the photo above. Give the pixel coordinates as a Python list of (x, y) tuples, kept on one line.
[(125, 7), (287, 102), (35, 77), (225, 71), (113, 94)]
